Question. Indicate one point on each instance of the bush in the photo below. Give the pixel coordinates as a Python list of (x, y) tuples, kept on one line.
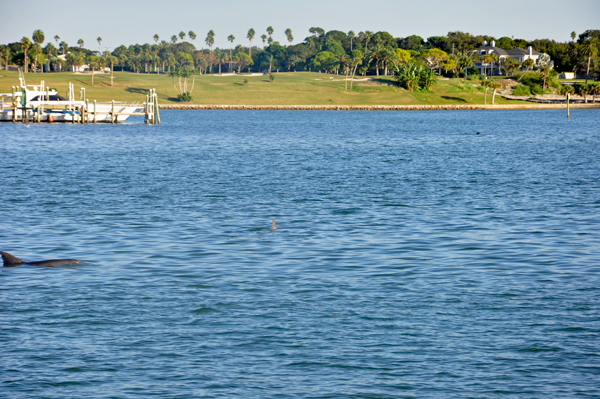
[(415, 77), (536, 89), (521, 90), (564, 89), (185, 97), (534, 79), (245, 82), (531, 79), (271, 77), (473, 72)]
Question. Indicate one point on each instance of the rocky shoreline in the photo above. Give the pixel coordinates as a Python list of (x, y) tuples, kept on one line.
[(372, 107)]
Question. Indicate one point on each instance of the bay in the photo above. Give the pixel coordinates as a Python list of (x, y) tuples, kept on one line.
[(413, 257)]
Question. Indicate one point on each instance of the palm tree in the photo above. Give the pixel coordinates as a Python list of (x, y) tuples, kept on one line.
[(50, 49), (182, 35), (174, 39), (156, 38), (64, 47), (80, 42), (192, 35), (113, 60), (584, 90), (210, 39), (528, 64), (351, 35), (595, 90), (356, 59), (288, 34), (230, 39), (123, 60), (25, 46), (35, 52), (545, 72), (264, 39), (488, 85), (94, 64), (590, 50), (270, 31), (496, 86), (6, 55), (368, 35), (38, 36), (377, 54), (99, 39), (2, 50), (221, 58), (250, 36), (464, 62), (56, 38), (487, 59), (573, 35)]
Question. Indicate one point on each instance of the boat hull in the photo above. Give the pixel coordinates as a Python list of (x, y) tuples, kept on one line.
[(57, 113)]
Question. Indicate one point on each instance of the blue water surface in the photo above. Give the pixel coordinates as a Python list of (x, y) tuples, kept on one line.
[(413, 258)]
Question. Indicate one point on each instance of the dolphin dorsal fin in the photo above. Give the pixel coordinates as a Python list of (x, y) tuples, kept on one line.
[(10, 260), (273, 226)]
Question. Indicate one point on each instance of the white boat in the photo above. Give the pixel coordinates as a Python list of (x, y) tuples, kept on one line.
[(39, 103)]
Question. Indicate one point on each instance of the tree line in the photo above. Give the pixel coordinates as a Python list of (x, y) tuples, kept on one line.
[(337, 52)]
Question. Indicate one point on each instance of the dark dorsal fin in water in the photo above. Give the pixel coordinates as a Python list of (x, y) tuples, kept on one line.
[(10, 261)]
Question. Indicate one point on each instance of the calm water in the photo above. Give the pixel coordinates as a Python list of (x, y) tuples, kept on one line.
[(413, 258)]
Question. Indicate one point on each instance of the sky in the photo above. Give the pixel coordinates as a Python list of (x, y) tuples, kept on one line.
[(131, 22)]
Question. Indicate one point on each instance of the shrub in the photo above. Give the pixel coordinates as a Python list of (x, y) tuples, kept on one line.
[(521, 90), (271, 77), (536, 88), (564, 89), (245, 82), (414, 76), (534, 79), (185, 97), (473, 72)]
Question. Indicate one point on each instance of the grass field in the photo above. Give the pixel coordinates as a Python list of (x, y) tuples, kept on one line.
[(290, 88)]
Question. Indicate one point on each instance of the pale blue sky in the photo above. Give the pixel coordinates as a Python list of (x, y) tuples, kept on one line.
[(130, 22)]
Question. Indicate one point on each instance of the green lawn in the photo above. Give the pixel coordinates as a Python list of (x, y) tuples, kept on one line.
[(290, 88)]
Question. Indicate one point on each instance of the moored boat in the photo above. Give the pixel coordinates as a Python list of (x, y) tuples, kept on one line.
[(40, 103)]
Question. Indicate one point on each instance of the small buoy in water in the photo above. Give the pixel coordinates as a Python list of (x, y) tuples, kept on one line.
[(478, 133), (50, 118)]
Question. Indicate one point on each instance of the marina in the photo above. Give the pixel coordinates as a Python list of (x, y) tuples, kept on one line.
[(42, 104)]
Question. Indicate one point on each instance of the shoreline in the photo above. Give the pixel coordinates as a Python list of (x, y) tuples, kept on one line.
[(452, 107)]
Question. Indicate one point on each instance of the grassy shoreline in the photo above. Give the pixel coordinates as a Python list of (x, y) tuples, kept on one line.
[(288, 90)]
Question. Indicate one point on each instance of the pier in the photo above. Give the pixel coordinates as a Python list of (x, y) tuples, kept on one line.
[(43, 105)]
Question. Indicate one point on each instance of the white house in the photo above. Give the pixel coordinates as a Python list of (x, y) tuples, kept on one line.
[(518, 54)]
